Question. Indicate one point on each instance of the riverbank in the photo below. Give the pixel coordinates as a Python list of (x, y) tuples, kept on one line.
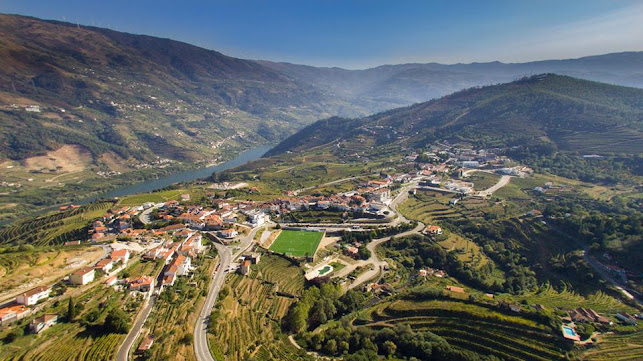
[(37, 202)]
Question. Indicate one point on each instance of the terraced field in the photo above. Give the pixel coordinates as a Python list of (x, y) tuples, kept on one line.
[(431, 210), (175, 312), (599, 301), (75, 344), (625, 346), (56, 228), (248, 321), (473, 327), (77, 340)]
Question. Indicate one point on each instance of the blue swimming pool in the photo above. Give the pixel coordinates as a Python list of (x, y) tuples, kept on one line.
[(569, 331)]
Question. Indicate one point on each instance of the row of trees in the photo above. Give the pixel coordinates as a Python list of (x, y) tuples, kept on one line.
[(367, 344)]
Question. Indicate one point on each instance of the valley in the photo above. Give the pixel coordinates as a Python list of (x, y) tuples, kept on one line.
[(163, 201)]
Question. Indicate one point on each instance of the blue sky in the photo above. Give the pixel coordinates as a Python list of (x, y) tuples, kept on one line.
[(365, 33)]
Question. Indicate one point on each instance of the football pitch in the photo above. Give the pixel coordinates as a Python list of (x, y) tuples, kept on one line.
[(297, 243)]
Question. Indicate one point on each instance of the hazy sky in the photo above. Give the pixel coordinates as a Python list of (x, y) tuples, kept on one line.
[(365, 33)]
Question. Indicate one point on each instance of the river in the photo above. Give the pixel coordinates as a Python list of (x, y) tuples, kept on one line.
[(184, 176), (159, 183)]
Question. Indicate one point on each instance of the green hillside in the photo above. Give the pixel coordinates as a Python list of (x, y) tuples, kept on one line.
[(546, 111)]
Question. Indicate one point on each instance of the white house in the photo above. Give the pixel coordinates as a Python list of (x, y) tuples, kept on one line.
[(104, 265), (34, 295), (83, 276), (228, 233), (121, 255)]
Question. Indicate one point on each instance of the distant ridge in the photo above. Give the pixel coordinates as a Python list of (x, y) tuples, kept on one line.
[(547, 110)]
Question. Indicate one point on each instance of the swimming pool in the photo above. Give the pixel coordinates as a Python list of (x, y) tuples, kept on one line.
[(325, 270), (569, 331)]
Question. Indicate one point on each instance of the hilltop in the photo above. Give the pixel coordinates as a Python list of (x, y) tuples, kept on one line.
[(547, 111), (390, 86), (137, 96)]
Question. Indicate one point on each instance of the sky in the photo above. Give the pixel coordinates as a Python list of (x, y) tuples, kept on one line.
[(358, 34)]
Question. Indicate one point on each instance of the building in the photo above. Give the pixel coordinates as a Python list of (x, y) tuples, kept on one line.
[(470, 164), (12, 313), (257, 219), (434, 229), (146, 344), (83, 276), (228, 233), (34, 295), (141, 284), (104, 265), (626, 318), (254, 257), (352, 251), (42, 323), (245, 268), (180, 266), (111, 281), (381, 195), (120, 255), (455, 289)]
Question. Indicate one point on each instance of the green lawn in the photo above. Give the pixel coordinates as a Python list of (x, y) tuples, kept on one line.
[(297, 243)]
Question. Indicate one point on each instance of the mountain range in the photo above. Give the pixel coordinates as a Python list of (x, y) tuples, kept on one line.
[(126, 97), (549, 111)]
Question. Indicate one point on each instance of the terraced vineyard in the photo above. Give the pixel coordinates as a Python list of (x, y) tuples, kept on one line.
[(431, 210), (473, 327), (248, 321), (625, 346), (56, 228), (599, 301), (77, 340), (173, 317)]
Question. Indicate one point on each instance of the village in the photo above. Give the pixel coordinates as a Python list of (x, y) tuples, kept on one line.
[(174, 232)]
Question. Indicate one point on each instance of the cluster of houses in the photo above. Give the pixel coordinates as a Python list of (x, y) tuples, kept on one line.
[(431, 272), (24, 305), (586, 315)]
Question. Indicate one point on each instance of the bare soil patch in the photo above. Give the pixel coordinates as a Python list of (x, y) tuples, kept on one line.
[(67, 159)]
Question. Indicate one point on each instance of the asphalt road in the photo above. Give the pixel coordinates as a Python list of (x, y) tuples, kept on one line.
[(201, 348), (126, 346), (374, 259), (598, 267)]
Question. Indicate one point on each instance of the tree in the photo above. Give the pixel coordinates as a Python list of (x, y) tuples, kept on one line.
[(389, 348), (116, 321), (14, 334), (71, 309), (331, 347)]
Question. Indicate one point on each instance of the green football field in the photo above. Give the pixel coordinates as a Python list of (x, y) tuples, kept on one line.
[(297, 243)]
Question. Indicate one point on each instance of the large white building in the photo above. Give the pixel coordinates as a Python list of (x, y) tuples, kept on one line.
[(34, 295)]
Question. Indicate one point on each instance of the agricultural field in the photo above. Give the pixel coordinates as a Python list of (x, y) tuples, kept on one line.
[(171, 322), (472, 327), (297, 243), (483, 180), (627, 345), (155, 197), (22, 270), (432, 208), (247, 320), (551, 298), (82, 338), (55, 228)]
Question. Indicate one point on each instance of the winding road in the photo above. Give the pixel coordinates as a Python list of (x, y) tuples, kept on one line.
[(374, 259), (201, 346)]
